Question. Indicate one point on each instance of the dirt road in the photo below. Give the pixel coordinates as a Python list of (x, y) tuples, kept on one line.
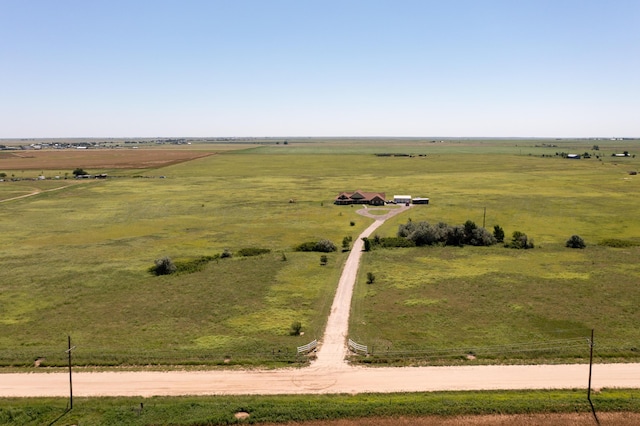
[(36, 192), (316, 380), (333, 349), (328, 374)]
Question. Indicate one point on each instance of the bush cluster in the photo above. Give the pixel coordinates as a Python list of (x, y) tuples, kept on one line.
[(163, 266), (575, 241), (519, 240), (426, 234), (387, 242), (323, 246)]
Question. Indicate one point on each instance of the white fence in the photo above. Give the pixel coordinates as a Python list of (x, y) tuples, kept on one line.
[(356, 347), (308, 347)]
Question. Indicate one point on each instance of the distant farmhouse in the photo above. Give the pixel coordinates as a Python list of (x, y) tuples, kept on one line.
[(376, 199), (360, 197)]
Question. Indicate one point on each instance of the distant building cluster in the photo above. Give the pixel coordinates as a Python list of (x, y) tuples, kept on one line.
[(92, 144), (376, 199)]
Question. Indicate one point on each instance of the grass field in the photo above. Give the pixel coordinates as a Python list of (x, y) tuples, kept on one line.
[(441, 304), (74, 261), (385, 409)]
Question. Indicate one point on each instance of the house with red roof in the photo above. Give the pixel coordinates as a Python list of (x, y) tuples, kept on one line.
[(360, 197)]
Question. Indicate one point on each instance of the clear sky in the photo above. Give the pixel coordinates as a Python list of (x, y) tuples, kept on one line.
[(113, 68)]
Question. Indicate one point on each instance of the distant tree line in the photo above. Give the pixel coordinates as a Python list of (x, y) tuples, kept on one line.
[(426, 234), (416, 234)]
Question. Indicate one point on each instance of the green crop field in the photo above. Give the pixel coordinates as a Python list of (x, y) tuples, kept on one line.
[(75, 261)]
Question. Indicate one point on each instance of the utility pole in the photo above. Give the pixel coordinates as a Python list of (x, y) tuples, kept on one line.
[(68, 351), (484, 217), (593, 410)]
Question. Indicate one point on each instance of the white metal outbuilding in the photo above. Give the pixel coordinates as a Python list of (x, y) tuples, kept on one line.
[(401, 199)]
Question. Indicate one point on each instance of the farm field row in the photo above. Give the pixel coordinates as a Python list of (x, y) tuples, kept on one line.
[(75, 260)]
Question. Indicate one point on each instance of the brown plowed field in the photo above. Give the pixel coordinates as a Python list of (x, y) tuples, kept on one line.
[(573, 419), (95, 158)]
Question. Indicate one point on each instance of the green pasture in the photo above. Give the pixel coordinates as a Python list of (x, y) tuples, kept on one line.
[(74, 261), (441, 304), (221, 410)]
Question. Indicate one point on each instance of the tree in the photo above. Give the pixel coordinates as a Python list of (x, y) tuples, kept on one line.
[(295, 329), (346, 243), (482, 237), (498, 233), (79, 172), (367, 244), (519, 240), (469, 227), (323, 259), (325, 246), (575, 241), (3, 175), (370, 278), (164, 266), (455, 236)]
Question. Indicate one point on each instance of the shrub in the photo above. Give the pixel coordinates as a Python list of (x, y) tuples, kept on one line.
[(324, 259), (370, 278), (482, 237), (226, 253), (252, 251), (520, 240), (346, 243), (469, 227), (325, 246), (575, 241), (163, 266), (425, 234), (391, 242), (295, 329), (456, 236), (195, 265), (308, 246), (367, 244)]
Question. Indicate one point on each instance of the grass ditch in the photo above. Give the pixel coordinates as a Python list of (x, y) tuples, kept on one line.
[(221, 410)]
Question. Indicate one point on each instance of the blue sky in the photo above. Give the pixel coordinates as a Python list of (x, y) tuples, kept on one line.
[(558, 68)]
